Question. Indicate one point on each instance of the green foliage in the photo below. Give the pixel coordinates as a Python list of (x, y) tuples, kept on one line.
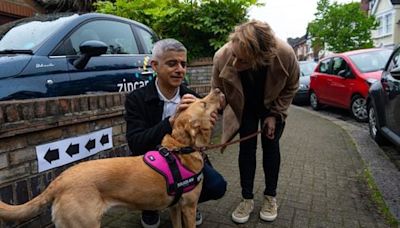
[(202, 26), (341, 27)]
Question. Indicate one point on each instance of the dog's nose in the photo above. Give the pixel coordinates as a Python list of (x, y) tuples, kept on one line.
[(216, 90)]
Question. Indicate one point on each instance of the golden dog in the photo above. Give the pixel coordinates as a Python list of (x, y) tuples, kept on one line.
[(83, 193)]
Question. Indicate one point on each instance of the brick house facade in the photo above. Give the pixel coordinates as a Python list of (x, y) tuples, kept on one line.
[(16, 9)]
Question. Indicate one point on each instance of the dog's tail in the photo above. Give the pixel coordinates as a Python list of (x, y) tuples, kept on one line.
[(28, 209)]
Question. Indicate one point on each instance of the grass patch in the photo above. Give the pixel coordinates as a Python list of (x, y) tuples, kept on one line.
[(377, 198)]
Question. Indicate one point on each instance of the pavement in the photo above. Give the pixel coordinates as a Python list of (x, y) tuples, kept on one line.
[(321, 183)]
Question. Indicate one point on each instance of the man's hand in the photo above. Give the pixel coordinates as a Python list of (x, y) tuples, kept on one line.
[(184, 104), (269, 126)]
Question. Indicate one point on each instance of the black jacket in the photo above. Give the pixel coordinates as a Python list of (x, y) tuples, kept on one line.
[(144, 127)]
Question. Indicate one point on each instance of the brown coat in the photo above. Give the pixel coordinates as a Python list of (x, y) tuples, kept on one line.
[(281, 85)]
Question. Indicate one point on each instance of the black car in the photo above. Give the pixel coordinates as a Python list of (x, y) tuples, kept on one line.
[(69, 54), (306, 69), (384, 103)]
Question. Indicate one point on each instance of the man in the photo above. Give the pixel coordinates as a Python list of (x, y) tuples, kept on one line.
[(259, 74), (150, 115)]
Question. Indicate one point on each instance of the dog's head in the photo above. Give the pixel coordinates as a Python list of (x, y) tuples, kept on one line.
[(193, 127)]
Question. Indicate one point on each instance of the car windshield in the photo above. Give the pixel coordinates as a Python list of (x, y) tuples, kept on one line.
[(371, 61), (27, 33), (306, 68)]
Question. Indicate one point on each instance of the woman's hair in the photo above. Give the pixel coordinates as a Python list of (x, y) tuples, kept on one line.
[(165, 45), (257, 41)]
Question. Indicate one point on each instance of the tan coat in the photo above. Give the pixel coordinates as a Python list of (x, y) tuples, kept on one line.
[(281, 85)]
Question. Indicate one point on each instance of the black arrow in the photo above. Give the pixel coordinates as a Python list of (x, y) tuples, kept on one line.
[(104, 139), (90, 144), (73, 149), (51, 155)]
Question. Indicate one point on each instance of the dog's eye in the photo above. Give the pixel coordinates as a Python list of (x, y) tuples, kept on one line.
[(204, 104)]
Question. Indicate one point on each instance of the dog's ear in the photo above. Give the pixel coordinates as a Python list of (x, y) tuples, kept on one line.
[(194, 127)]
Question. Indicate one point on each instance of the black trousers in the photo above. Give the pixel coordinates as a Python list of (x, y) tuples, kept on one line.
[(247, 155)]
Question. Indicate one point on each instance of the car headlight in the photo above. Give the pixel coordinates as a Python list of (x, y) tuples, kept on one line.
[(371, 81), (303, 86)]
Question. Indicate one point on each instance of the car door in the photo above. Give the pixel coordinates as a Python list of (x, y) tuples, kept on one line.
[(340, 83), (124, 67), (391, 84), (320, 80)]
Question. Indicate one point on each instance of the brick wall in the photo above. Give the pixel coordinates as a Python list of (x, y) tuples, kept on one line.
[(199, 75), (29, 123), (26, 124)]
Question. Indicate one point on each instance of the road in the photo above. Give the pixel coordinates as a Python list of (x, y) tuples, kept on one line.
[(343, 114)]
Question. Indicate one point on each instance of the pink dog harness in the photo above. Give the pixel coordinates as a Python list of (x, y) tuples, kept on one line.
[(179, 178)]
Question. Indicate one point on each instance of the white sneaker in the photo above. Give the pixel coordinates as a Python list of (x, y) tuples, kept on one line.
[(242, 212), (199, 218), (269, 210)]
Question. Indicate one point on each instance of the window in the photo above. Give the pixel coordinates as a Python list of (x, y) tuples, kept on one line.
[(385, 24), (371, 61), (35, 30), (324, 66), (388, 23), (339, 65), (116, 35), (395, 61), (380, 27), (148, 40)]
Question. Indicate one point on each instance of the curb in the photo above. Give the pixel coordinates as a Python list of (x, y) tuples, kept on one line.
[(385, 174)]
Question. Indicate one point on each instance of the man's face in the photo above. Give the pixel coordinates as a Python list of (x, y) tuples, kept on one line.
[(170, 68), (241, 61)]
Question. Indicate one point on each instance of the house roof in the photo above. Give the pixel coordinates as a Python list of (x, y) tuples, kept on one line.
[(297, 41)]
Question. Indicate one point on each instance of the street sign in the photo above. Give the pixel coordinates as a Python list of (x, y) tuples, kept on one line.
[(59, 153)]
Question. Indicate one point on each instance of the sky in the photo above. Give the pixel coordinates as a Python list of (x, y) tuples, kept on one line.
[(288, 18)]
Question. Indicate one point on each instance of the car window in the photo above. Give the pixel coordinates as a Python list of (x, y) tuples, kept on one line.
[(27, 33), (371, 61), (306, 68), (148, 40), (395, 61), (338, 65), (324, 66), (116, 35)]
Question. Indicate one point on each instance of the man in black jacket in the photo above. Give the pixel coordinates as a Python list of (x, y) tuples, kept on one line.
[(150, 114)]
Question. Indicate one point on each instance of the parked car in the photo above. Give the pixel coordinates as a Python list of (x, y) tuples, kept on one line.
[(384, 103), (69, 54), (306, 68), (343, 80)]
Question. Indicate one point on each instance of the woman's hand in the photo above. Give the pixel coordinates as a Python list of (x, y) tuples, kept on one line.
[(269, 126)]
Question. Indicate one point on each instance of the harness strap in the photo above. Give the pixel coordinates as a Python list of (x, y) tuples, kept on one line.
[(175, 174)]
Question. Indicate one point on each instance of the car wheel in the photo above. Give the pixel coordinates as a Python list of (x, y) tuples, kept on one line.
[(314, 103), (374, 132), (358, 108)]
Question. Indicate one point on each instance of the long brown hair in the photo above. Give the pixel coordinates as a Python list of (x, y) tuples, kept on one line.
[(257, 40)]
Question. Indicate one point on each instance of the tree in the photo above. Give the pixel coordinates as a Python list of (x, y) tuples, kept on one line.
[(341, 27), (201, 25)]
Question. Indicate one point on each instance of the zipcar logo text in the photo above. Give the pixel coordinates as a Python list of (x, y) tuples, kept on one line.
[(130, 86)]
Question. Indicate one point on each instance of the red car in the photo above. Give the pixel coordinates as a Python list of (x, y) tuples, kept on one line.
[(343, 80)]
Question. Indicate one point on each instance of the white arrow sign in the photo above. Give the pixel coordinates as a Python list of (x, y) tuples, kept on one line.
[(59, 153)]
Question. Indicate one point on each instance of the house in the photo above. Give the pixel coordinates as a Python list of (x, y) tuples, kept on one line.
[(387, 12), (11, 10), (302, 47)]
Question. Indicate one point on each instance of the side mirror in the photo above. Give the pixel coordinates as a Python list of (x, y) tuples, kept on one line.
[(89, 49)]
